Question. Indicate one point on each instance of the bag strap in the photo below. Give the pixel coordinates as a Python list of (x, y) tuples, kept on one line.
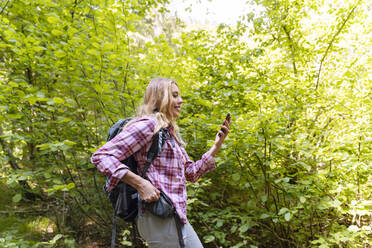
[(116, 128), (179, 225), (155, 149), (134, 232), (113, 234)]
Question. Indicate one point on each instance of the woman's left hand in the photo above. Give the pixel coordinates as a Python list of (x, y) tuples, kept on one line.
[(220, 137)]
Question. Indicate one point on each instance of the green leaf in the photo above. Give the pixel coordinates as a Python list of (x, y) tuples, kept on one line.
[(22, 178), (285, 179), (60, 54), (72, 31), (219, 223), (288, 216), (13, 85), (324, 246), (236, 177), (96, 45), (53, 19), (44, 146), (17, 198), (92, 52), (55, 239), (264, 216), (209, 238), (69, 142), (39, 48), (108, 46), (56, 32), (5, 20), (92, 150), (233, 228), (58, 100), (283, 210), (244, 228)]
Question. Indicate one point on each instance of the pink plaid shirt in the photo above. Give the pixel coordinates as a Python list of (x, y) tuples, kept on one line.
[(168, 172)]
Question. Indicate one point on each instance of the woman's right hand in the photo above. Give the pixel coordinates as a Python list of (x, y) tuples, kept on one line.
[(147, 191)]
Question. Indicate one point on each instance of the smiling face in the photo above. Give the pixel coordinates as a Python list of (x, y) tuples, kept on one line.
[(176, 101)]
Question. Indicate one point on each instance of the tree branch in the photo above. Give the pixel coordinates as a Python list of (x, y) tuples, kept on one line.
[(3, 8), (276, 234), (291, 48), (250, 185), (331, 43)]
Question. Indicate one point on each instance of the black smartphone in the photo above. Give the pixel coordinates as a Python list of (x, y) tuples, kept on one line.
[(227, 120)]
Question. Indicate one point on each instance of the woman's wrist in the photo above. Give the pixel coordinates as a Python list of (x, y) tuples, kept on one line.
[(213, 151)]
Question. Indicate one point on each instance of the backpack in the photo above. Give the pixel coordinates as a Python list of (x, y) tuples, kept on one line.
[(123, 197)]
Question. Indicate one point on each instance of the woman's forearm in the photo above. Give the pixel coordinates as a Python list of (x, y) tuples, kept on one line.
[(213, 151), (133, 180)]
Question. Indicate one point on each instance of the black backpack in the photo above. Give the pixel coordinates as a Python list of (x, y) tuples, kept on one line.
[(123, 197)]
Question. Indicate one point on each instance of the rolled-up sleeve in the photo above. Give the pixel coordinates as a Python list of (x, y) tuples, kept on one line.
[(195, 170), (108, 157)]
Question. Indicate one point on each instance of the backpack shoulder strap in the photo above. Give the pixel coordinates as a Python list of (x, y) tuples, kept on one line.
[(156, 148), (116, 128)]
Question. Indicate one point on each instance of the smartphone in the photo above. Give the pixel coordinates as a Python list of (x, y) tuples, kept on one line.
[(227, 120)]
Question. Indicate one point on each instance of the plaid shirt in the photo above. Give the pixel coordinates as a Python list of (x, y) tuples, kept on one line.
[(168, 172)]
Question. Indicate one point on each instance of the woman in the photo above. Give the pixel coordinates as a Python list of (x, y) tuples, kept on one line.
[(168, 172)]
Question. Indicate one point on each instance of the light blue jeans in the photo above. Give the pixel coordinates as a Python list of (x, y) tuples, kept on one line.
[(162, 233)]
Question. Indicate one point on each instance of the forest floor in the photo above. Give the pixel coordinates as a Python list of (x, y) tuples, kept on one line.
[(28, 223)]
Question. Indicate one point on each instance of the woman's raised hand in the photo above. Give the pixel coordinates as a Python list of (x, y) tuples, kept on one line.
[(220, 137)]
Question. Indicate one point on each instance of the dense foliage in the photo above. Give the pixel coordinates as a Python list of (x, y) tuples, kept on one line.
[(295, 170)]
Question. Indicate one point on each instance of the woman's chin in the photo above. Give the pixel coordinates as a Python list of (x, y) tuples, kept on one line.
[(176, 115)]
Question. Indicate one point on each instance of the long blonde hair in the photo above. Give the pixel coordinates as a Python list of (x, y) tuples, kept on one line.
[(158, 102)]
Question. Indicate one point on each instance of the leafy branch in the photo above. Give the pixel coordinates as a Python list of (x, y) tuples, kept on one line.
[(3, 8), (287, 32), (331, 43)]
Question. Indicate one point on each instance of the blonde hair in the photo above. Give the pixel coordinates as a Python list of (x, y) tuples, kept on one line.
[(158, 102)]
